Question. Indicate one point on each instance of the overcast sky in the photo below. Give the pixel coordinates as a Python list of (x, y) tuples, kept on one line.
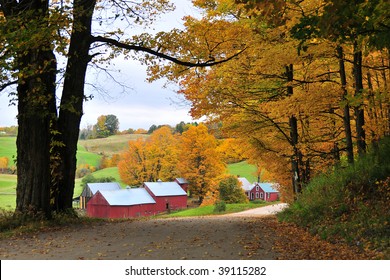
[(137, 104)]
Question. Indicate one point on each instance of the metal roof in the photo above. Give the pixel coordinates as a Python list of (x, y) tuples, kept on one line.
[(268, 187), (126, 197), (181, 181), (109, 186), (245, 184), (165, 188)]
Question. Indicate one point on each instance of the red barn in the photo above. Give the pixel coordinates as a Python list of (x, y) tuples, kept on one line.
[(168, 195), (91, 189), (183, 183), (122, 203)]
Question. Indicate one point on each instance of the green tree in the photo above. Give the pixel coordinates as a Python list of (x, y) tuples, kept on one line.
[(112, 124), (230, 191)]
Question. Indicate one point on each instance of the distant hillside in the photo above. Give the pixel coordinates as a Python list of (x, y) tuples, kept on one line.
[(88, 151), (110, 145)]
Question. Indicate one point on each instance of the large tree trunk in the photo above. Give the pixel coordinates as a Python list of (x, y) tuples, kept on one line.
[(71, 106), (359, 110), (347, 116), (296, 156), (36, 110)]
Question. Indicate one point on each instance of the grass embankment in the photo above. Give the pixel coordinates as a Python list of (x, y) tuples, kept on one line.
[(209, 209), (350, 203)]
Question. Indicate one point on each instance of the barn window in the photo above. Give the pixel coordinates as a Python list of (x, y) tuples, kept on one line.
[(257, 195), (261, 195), (257, 188)]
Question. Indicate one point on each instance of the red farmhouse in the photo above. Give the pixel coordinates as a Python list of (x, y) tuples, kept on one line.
[(122, 203), (168, 195), (263, 191)]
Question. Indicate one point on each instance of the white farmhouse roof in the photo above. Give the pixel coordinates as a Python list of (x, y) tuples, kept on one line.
[(165, 188), (125, 197), (245, 184)]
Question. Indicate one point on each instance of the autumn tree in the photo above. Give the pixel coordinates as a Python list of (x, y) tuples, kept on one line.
[(199, 161), (33, 34), (283, 97), (3, 163), (151, 159)]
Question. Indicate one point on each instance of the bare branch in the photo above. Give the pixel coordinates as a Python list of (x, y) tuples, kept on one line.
[(162, 55)]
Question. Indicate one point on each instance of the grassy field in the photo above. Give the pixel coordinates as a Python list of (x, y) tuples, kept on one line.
[(7, 191), (243, 169), (209, 210), (110, 145), (8, 149)]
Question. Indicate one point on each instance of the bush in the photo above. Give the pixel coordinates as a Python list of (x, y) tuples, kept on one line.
[(220, 207), (350, 202)]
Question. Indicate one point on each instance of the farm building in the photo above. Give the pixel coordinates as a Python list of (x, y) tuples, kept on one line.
[(267, 191), (121, 203), (183, 183), (92, 188), (263, 191), (168, 195)]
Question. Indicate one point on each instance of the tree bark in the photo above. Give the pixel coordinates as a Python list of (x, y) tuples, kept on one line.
[(296, 157), (346, 116), (71, 106), (359, 110), (36, 109)]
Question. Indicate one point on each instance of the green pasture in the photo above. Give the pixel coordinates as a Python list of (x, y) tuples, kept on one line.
[(8, 149), (243, 169), (7, 191)]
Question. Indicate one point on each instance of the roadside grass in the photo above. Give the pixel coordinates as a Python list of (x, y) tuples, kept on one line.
[(349, 204), (209, 209), (243, 169)]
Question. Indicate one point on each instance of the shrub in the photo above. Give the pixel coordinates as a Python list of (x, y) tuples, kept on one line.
[(220, 207), (350, 202)]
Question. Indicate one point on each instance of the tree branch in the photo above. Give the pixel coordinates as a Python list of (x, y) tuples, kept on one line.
[(4, 86), (161, 55)]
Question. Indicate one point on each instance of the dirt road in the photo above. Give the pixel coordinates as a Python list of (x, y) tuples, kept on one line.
[(239, 236)]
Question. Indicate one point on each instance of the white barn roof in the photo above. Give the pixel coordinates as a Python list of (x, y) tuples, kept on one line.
[(165, 188), (126, 197), (245, 184)]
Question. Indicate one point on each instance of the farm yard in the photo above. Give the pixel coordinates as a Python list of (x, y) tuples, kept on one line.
[(89, 153)]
